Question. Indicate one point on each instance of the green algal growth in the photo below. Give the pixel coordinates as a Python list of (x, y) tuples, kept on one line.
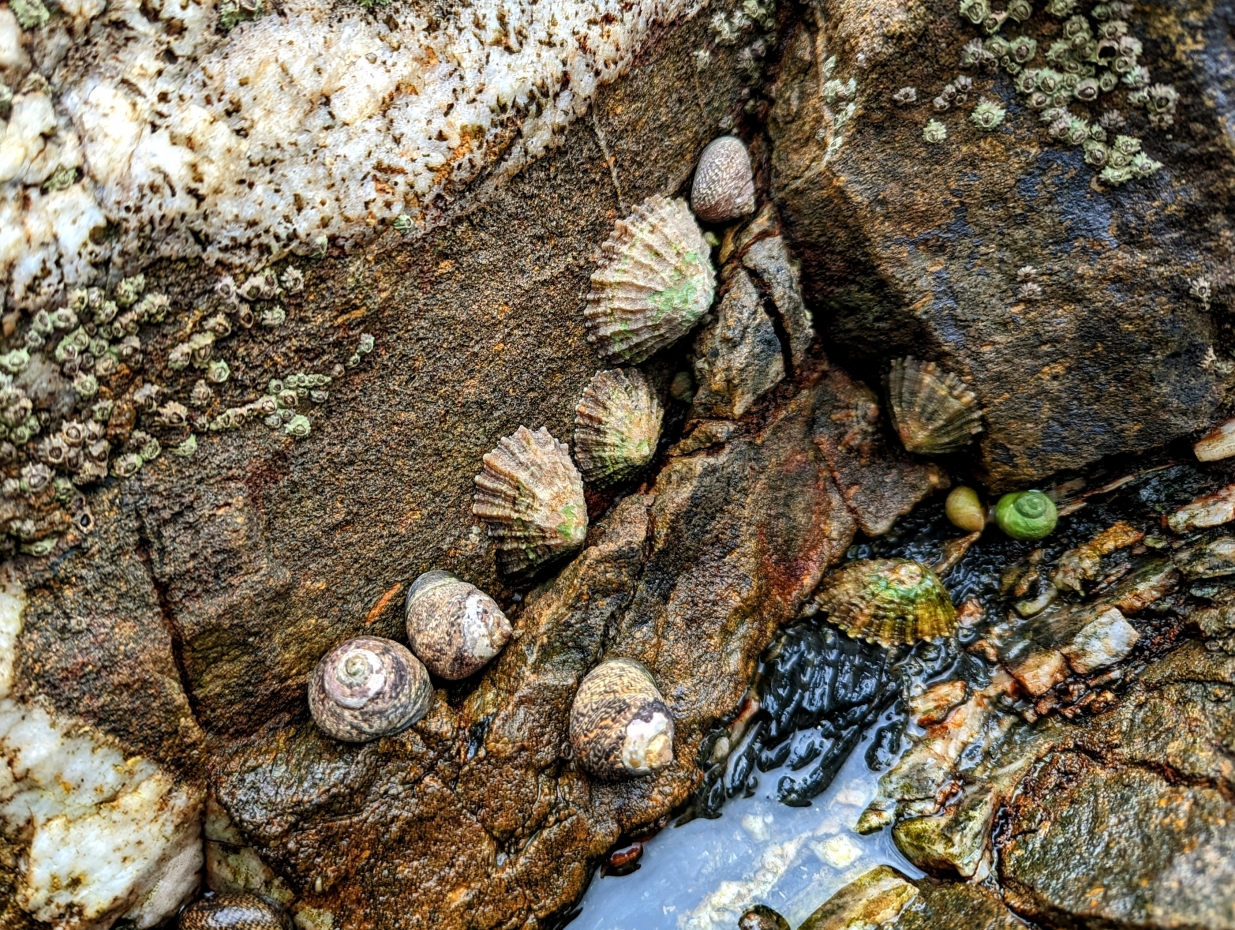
[(234, 12), (31, 14)]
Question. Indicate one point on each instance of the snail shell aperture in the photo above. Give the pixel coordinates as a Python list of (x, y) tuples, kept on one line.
[(724, 185), (654, 282), (617, 425), (234, 910), (530, 497), (932, 410), (619, 724), (453, 627), (888, 601), (368, 687)]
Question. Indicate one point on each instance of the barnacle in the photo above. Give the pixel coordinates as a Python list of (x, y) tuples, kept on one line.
[(934, 131), (298, 427), (987, 114), (906, 96)]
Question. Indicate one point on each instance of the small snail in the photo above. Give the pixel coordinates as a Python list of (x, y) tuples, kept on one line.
[(1026, 514), (724, 185), (965, 510), (530, 497), (932, 410), (654, 282), (762, 917), (368, 687), (888, 601), (234, 910), (453, 627), (619, 724), (617, 424)]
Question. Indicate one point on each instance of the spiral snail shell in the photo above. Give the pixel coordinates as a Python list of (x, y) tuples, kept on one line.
[(530, 497), (617, 425), (932, 410), (234, 910), (724, 185), (889, 601), (654, 282), (965, 510), (1026, 515), (619, 724), (453, 627), (366, 688)]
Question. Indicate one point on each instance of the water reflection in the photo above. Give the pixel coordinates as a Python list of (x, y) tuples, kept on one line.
[(703, 875)]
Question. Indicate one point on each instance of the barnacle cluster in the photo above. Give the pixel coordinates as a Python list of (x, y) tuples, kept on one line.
[(1065, 65)]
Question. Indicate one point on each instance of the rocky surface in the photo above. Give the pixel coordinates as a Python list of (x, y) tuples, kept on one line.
[(999, 254)]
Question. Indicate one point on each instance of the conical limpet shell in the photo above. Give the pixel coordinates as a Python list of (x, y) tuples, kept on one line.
[(617, 425), (368, 687), (619, 724), (654, 282), (888, 601), (724, 185), (932, 410), (453, 627), (530, 497)]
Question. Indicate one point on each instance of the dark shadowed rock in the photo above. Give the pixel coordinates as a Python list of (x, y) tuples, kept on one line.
[(1068, 305)]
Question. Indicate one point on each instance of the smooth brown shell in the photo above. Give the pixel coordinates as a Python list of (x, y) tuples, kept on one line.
[(932, 409), (619, 724), (453, 627), (368, 687), (617, 425), (724, 185), (234, 910), (889, 601), (529, 495)]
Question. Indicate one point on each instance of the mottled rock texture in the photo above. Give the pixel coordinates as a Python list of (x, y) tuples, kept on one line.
[(914, 248)]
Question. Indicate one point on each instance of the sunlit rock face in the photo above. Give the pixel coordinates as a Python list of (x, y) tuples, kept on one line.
[(177, 138)]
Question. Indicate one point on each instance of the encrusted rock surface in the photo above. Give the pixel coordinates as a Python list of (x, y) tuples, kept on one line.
[(1068, 305)]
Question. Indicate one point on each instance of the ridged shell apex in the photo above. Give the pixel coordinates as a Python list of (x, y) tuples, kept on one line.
[(932, 409), (368, 687), (888, 601), (617, 426), (724, 185), (453, 627), (619, 724), (654, 282), (529, 495)]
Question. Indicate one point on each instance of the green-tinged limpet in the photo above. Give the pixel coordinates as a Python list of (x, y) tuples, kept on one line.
[(888, 601), (620, 726), (368, 687), (934, 132), (964, 509), (529, 495), (1026, 515), (654, 282), (931, 409), (617, 425)]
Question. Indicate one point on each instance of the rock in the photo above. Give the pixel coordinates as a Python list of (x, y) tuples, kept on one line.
[(1210, 510), (1040, 671), (935, 703), (1103, 641), (999, 254), (1214, 558), (737, 356), (776, 273), (1130, 821), (954, 840), (876, 899), (1217, 444)]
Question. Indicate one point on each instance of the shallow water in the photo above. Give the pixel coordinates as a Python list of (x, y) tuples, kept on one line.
[(704, 874)]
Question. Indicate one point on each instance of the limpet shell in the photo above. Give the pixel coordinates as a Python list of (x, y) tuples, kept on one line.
[(368, 687), (932, 410), (617, 425), (654, 282), (529, 495), (888, 601), (453, 627), (234, 910), (724, 185), (619, 724)]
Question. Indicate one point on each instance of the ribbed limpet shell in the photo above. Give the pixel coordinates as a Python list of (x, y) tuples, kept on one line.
[(654, 282), (530, 497), (617, 425), (619, 724), (888, 601), (932, 410), (453, 627), (368, 687)]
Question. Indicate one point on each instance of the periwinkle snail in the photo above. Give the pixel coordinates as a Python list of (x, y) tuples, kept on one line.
[(234, 910), (453, 627), (724, 185), (888, 601), (964, 509), (1026, 515), (619, 724), (366, 688), (932, 410)]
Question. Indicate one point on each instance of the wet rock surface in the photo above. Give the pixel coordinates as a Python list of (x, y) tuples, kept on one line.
[(999, 254)]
